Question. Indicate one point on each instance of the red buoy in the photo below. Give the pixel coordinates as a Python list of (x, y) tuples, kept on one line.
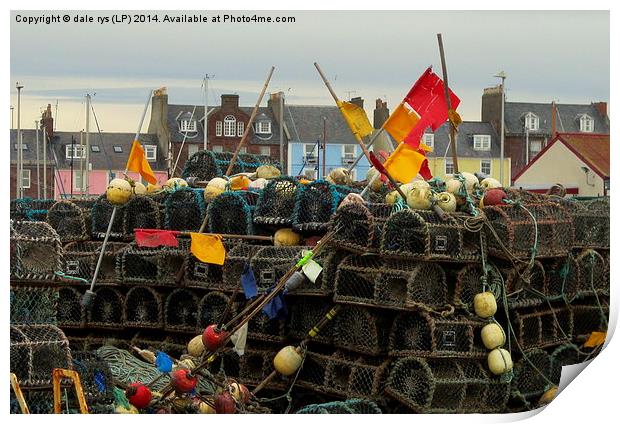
[(138, 395), (213, 338), (183, 381), (493, 196), (225, 403)]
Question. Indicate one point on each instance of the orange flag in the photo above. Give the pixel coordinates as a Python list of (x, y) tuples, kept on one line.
[(208, 248), (404, 163), (137, 163), (401, 122)]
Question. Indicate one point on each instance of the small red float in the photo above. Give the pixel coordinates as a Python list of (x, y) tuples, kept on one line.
[(493, 196), (183, 381), (138, 395), (225, 403), (213, 338)]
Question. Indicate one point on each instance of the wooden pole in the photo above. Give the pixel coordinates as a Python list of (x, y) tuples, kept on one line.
[(444, 70), (247, 128)]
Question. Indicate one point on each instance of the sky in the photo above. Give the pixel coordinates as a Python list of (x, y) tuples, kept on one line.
[(555, 55)]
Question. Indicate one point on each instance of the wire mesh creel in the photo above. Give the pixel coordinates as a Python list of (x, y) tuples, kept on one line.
[(315, 204), (276, 202), (69, 221), (36, 252), (229, 213), (80, 260), (33, 305)]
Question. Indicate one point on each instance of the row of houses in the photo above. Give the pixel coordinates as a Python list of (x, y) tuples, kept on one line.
[(316, 139)]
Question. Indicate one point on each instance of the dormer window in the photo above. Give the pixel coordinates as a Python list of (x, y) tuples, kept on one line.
[(586, 124), (263, 127), (188, 125), (531, 122), (482, 142), (230, 126)]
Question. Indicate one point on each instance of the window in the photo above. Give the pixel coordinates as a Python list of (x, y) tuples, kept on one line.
[(449, 167), (230, 124), (531, 121), (586, 124), (309, 150), (348, 151), (482, 142), (188, 125), (24, 146), (429, 140), (150, 152), (95, 148), (217, 149), (310, 173), (26, 178), (118, 149), (240, 128), (74, 151), (265, 150), (485, 166), (218, 129), (191, 149), (263, 127), (535, 148)]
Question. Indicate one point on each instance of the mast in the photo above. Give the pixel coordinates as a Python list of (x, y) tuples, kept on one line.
[(87, 154), (19, 178)]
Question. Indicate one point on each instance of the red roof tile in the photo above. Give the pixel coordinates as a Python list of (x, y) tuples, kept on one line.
[(593, 149)]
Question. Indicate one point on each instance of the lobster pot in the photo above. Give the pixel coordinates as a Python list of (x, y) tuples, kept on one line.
[(426, 335), (27, 209), (70, 313), (469, 283), (33, 305), (313, 372), (39, 401), (446, 386), (529, 375), (276, 202), (563, 355), (271, 263), (225, 365), (355, 376), (69, 221), (563, 277), (526, 286), (314, 206), (606, 258), (589, 318), (524, 196), (381, 212), (255, 365), (152, 265), (329, 259), (35, 351), (264, 329), (184, 210), (354, 229), (304, 314), (96, 378), (236, 260), (36, 252), (362, 330), (591, 221), (229, 213), (390, 283), (141, 212), (551, 234), (422, 234), (350, 406), (249, 162), (100, 219), (203, 275), (81, 260), (538, 328), (594, 278), (181, 311), (107, 309), (211, 309), (143, 308), (201, 165)]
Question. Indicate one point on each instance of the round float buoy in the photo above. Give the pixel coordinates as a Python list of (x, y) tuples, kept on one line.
[(286, 237), (494, 196), (212, 338), (225, 403), (340, 176), (214, 188), (239, 391), (548, 396), (259, 183), (267, 172), (118, 192), (240, 182), (138, 395), (378, 183), (287, 361), (485, 305), (446, 201), (420, 198), (471, 181), (492, 336), (175, 183), (195, 346), (489, 183), (392, 197), (499, 361), (139, 188), (153, 188), (183, 381)]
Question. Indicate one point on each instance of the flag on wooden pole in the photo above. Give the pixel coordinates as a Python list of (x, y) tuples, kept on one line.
[(401, 122), (404, 163), (137, 163), (208, 248), (356, 119)]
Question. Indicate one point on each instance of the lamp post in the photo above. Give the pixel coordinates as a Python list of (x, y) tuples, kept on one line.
[(20, 153), (502, 75)]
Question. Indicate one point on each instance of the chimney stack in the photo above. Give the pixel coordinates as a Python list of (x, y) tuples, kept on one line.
[(381, 113), (358, 101), (159, 119), (274, 104), (602, 108), (554, 114), (492, 107), (230, 102), (47, 122)]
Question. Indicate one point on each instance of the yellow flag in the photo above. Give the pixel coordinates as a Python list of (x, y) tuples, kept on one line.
[(137, 163), (454, 117), (404, 163), (597, 338), (401, 122), (208, 248), (356, 118)]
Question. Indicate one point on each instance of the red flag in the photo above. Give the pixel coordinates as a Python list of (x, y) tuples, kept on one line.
[(427, 98), (425, 171), (155, 238)]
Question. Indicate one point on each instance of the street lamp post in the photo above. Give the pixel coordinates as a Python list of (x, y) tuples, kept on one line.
[(20, 152), (502, 75)]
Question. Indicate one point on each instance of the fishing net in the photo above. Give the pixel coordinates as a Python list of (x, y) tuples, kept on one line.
[(39, 401), (469, 282), (229, 213), (362, 330), (525, 285), (355, 376), (80, 259), (588, 318), (107, 309), (390, 283), (542, 326), (236, 260), (563, 355), (425, 335), (211, 309), (181, 311), (563, 277), (141, 212), (354, 229), (184, 209), (271, 263), (95, 377), (532, 375), (446, 386), (33, 305), (422, 234), (100, 219), (349, 406), (69, 221), (143, 308), (153, 265), (262, 328), (36, 252), (35, 351), (276, 203), (70, 314), (591, 221), (547, 232), (316, 202), (593, 277), (304, 314)]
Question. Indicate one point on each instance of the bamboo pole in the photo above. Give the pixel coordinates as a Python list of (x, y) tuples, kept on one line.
[(444, 70), (249, 126)]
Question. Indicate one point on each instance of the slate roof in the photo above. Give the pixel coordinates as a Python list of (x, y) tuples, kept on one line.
[(305, 124), (465, 140), (106, 158), (566, 121)]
